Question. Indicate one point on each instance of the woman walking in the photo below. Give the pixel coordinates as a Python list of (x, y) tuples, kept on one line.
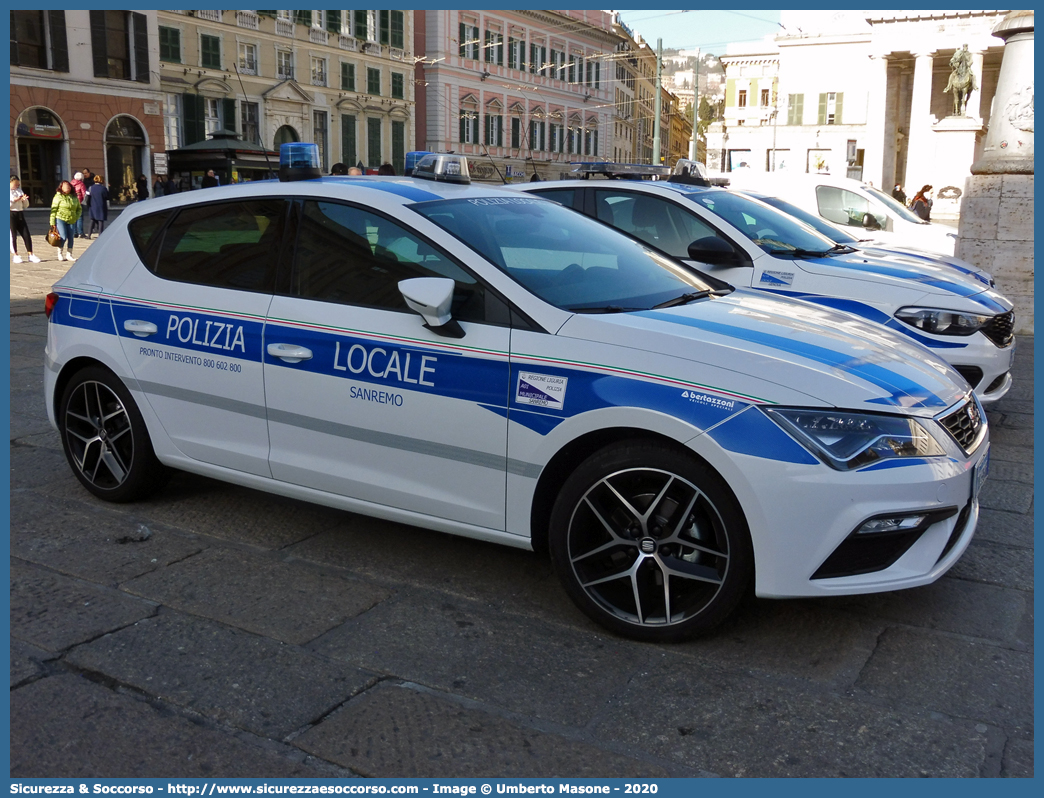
[(98, 198), (19, 202), (81, 189), (65, 210), (921, 204)]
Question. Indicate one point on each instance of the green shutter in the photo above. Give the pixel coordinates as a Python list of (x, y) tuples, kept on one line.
[(821, 118), (373, 142), (141, 47), (487, 54), (730, 93), (463, 38), (210, 51), (384, 27), (360, 25), (463, 129), (373, 81), (59, 42), (98, 48), (398, 86), (516, 132), (303, 18), (229, 114), (348, 77), (398, 31), (837, 108), (333, 21), (348, 154), (194, 118), (399, 147)]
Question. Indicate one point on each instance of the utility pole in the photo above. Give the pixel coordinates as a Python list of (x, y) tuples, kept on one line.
[(695, 105), (775, 118), (656, 106)]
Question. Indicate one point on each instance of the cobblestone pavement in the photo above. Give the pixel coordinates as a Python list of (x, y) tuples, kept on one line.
[(218, 631)]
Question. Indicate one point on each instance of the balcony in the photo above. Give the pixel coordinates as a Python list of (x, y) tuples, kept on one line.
[(396, 54), (248, 19), (284, 27), (285, 73), (210, 16), (371, 48), (318, 36), (348, 43)]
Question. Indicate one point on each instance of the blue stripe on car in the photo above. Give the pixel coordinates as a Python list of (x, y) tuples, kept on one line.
[(754, 434)]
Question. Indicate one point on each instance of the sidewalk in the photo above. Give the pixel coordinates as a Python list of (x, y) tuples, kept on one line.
[(30, 282)]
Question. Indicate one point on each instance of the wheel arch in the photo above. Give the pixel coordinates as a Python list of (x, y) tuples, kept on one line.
[(69, 370)]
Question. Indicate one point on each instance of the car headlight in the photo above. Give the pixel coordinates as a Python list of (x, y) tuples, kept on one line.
[(942, 322), (846, 441)]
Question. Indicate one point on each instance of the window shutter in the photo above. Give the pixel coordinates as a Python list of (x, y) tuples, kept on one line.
[(532, 57), (488, 55), (194, 116), (488, 123), (398, 132), (59, 42), (516, 132), (837, 108), (822, 109), (398, 30), (373, 142), (384, 26), (360, 25), (333, 21), (348, 155), (462, 40), (463, 128), (598, 75), (228, 119), (303, 18), (99, 51), (141, 47)]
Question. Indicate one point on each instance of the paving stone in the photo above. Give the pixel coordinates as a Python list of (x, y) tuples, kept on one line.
[(995, 564), (1018, 759), (397, 554), (1023, 421), (90, 540), (232, 676), (54, 612), (291, 602), (27, 661), (997, 494), (736, 725), (1024, 634), (805, 639), (961, 678), (1006, 471), (403, 733), (1010, 453), (950, 605), (1008, 436), (27, 394), (516, 662), (104, 734), (34, 465), (998, 526), (23, 425)]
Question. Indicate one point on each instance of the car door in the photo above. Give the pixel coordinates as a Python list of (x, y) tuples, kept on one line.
[(191, 324), (363, 400)]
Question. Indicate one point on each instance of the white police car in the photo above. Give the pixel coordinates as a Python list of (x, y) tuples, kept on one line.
[(741, 240), (490, 364)]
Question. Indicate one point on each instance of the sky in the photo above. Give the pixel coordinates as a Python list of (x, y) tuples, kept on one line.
[(711, 31)]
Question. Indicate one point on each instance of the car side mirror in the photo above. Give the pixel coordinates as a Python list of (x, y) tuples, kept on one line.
[(432, 298), (870, 222), (713, 250)]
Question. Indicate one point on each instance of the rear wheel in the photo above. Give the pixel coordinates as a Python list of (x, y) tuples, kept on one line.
[(105, 438), (650, 543)]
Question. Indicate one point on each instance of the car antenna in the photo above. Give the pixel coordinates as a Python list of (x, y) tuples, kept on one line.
[(264, 149), (502, 179)]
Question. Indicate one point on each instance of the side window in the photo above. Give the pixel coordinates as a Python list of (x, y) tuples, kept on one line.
[(143, 232), (226, 245), (655, 221), (841, 206), (565, 196), (354, 256)]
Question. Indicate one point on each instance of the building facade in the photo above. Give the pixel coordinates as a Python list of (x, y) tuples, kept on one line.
[(340, 79), (85, 93), (879, 112), (519, 92)]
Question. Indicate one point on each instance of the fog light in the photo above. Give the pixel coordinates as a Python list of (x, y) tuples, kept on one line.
[(877, 526)]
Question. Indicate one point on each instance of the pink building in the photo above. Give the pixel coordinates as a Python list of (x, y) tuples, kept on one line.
[(520, 92)]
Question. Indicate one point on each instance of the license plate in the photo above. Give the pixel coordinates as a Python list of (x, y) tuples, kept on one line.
[(979, 474)]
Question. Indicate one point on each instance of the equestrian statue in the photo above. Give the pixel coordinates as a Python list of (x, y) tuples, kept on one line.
[(962, 80)]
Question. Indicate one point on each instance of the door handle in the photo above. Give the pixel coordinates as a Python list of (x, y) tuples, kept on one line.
[(140, 328), (291, 353)]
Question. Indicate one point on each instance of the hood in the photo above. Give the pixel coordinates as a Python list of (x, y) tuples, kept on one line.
[(932, 237), (929, 279), (886, 248), (782, 351)]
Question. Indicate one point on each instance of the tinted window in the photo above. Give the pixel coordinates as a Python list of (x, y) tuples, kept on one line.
[(654, 220), (142, 232), (357, 257), (835, 234), (564, 195), (228, 245)]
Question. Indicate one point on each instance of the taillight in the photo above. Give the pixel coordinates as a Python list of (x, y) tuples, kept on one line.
[(49, 302)]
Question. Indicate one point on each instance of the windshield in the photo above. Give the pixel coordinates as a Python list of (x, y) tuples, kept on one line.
[(835, 234), (774, 232), (566, 259), (894, 205)]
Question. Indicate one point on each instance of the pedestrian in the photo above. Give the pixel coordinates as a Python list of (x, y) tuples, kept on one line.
[(81, 193), (158, 187), (898, 194), (338, 169), (211, 181), (143, 188), (921, 204), (170, 187), (386, 169), (19, 202), (65, 210), (99, 207), (354, 171)]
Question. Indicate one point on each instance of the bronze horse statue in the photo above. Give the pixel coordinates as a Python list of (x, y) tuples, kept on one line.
[(962, 82)]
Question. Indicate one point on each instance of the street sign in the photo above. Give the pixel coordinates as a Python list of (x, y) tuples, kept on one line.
[(159, 163)]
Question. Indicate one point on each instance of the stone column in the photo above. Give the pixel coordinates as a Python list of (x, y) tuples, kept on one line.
[(996, 228), (919, 160), (875, 144)]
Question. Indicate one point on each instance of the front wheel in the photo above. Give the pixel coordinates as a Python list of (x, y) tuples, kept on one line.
[(650, 543), (105, 438)]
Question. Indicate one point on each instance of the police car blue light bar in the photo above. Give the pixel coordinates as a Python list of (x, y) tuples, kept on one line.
[(631, 170), (443, 167), (299, 160)]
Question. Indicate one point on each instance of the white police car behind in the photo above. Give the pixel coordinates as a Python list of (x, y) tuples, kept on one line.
[(490, 364), (749, 244)]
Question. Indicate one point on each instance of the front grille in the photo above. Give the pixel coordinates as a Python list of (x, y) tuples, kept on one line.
[(1001, 328), (973, 374), (965, 424)]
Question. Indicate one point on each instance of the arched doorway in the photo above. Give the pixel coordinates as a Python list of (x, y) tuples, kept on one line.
[(40, 140), (124, 156), (285, 135)]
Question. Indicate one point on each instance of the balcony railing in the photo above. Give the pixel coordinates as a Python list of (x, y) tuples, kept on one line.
[(348, 43), (318, 36), (396, 53), (210, 15), (372, 48), (285, 73), (247, 19), (284, 27)]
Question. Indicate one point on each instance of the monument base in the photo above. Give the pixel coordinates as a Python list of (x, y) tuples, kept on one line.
[(996, 234), (954, 146)]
